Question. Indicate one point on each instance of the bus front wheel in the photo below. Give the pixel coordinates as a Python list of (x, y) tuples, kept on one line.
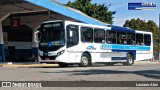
[(130, 60), (85, 60)]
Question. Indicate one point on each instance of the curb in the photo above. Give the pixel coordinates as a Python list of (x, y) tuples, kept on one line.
[(147, 62), (28, 65)]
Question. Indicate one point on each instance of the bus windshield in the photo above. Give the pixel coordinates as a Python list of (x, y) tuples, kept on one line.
[(51, 37)]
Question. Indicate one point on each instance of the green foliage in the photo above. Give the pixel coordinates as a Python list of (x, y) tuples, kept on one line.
[(151, 26), (97, 11), (136, 24)]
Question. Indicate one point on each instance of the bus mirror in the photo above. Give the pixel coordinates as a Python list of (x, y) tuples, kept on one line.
[(70, 33)]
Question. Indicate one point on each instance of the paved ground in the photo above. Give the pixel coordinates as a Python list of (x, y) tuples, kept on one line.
[(36, 64), (140, 71)]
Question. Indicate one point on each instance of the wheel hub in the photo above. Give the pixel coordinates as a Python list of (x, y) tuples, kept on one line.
[(84, 60)]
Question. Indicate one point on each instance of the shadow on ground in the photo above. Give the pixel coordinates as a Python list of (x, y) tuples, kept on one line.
[(155, 74)]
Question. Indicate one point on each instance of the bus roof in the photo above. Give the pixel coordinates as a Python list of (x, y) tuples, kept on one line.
[(118, 28), (89, 25), (145, 32), (79, 23), (108, 27), (126, 29)]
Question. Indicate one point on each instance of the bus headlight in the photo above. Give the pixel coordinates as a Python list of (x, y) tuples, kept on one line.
[(60, 53)]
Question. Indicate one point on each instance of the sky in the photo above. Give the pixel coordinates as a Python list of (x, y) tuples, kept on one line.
[(122, 12)]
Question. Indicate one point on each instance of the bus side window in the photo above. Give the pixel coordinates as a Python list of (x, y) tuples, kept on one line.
[(121, 36), (86, 34), (147, 39), (139, 39), (130, 39), (72, 35), (111, 37), (82, 38), (99, 35)]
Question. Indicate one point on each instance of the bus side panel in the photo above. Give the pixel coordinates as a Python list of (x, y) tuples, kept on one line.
[(98, 57), (93, 57), (143, 55), (106, 56), (78, 57), (101, 55), (71, 56), (122, 54)]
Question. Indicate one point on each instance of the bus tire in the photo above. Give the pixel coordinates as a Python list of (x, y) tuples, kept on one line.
[(62, 64), (85, 60), (130, 60)]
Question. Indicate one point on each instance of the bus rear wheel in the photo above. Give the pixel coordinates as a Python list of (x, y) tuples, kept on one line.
[(130, 60), (85, 60)]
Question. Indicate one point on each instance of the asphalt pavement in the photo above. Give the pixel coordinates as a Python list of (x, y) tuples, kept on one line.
[(140, 71)]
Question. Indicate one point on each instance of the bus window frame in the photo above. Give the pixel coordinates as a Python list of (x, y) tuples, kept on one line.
[(81, 35), (99, 29), (68, 31), (147, 40), (111, 38), (133, 40), (121, 37), (141, 41)]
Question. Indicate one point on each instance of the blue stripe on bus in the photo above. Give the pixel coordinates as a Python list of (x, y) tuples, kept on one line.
[(124, 47), (130, 47), (127, 51), (119, 58)]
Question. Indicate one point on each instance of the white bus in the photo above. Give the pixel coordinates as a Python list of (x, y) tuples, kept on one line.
[(68, 42)]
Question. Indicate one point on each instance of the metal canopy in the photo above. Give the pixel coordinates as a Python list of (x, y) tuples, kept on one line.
[(66, 11), (31, 7), (9, 2), (33, 12)]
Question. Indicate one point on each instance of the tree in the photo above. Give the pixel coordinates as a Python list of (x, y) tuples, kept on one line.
[(97, 11), (136, 24), (151, 26)]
